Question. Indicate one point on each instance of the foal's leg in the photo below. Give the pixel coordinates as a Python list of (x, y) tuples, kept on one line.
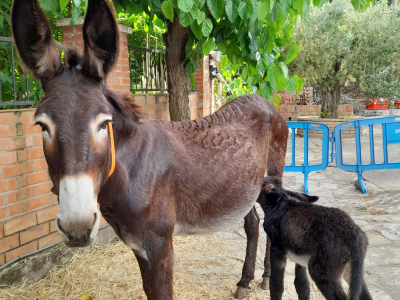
[(251, 227), (301, 283), (326, 278), (278, 264), (267, 267)]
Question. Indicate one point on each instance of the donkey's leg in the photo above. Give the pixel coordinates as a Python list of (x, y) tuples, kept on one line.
[(156, 267), (278, 264), (145, 272), (301, 283), (267, 267), (251, 227)]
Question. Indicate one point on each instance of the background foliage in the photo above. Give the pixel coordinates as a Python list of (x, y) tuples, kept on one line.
[(341, 45)]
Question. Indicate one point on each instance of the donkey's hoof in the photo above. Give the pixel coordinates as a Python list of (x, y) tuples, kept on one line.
[(264, 284), (241, 292)]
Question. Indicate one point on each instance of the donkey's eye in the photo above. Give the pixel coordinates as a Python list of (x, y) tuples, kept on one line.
[(103, 126), (44, 127)]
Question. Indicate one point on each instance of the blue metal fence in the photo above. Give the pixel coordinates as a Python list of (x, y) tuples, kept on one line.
[(306, 168), (333, 141)]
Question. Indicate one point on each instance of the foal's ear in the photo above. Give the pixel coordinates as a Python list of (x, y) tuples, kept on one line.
[(33, 39), (100, 33)]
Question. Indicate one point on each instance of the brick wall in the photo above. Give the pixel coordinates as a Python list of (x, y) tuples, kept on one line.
[(295, 111), (27, 207), (156, 106), (202, 86)]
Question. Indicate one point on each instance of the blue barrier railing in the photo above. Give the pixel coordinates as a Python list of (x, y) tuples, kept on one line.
[(306, 168), (333, 141), (390, 135)]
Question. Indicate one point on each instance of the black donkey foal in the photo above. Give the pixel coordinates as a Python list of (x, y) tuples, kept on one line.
[(325, 240)]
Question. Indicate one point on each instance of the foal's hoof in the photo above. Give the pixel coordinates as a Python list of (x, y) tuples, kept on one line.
[(241, 292), (264, 284)]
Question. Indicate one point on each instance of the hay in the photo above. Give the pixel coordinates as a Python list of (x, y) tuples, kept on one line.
[(206, 267)]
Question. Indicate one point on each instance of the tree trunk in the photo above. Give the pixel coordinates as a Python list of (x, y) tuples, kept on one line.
[(179, 85), (331, 101)]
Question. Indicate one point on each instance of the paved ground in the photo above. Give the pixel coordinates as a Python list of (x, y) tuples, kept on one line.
[(378, 212)]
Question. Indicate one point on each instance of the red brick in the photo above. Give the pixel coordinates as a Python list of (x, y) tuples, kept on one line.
[(124, 75), (11, 184), (10, 144), (35, 153), (1, 231), (26, 117), (37, 177), (124, 68), (14, 209), (9, 243), (67, 30), (29, 141), (112, 80), (2, 213), (21, 251), (50, 239), (53, 226), (30, 128), (34, 233), (150, 107), (125, 81), (2, 186), (44, 188), (19, 224), (15, 170), (38, 140), (2, 260), (7, 118), (47, 214), (22, 181), (36, 202), (7, 158), (121, 87), (22, 155)]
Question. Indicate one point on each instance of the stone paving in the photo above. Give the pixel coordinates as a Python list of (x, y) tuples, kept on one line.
[(377, 213)]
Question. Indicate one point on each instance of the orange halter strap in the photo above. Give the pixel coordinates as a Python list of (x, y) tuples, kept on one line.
[(110, 129)]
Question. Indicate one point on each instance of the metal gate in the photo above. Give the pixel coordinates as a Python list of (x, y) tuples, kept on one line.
[(333, 140)]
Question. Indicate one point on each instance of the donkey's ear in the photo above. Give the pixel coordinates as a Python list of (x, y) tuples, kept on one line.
[(100, 33), (33, 39)]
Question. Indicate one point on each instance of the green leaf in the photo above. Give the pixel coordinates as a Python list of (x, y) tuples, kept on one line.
[(168, 10), (292, 54), (246, 9), (216, 7), (200, 17), (266, 90), (299, 83), (245, 73), (196, 29), (272, 3), (271, 77), (190, 68), (75, 15), (291, 85), (155, 5), (49, 5), (262, 10), (271, 35), (360, 5), (232, 9), (63, 4), (206, 27), (192, 80), (207, 46), (185, 18), (185, 5)]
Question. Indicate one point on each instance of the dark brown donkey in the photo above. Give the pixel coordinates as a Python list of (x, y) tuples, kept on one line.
[(170, 178)]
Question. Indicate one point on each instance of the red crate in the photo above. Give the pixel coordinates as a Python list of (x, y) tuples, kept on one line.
[(376, 105)]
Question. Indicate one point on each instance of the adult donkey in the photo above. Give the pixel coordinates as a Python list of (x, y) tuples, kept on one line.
[(166, 178)]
